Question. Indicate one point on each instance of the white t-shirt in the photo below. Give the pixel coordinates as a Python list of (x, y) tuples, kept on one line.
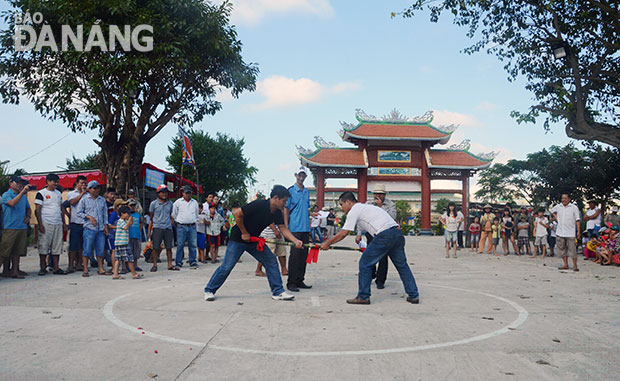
[(323, 216), (185, 212), (200, 224), (368, 218), (50, 206), (315, 222), (540, 229), (567, 216), (553, 226), (591, 223), (75, 219), (452, 223)]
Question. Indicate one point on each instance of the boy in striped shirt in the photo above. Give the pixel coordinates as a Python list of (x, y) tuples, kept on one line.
[(121, 243)]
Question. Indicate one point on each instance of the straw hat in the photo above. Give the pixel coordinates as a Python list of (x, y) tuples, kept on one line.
[(379, 188)]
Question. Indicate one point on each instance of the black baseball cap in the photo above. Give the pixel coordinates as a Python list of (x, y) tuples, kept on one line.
[(19, 179)]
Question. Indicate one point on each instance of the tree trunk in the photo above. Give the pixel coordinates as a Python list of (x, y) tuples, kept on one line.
[(121, 160)]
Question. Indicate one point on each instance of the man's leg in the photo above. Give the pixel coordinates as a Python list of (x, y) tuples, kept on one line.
[(297, 261), (399, 259), (232, 255), (268, 259), (382, 270), (483, 238), (87, 253), (373, 254), (191, 243), (181, 238)]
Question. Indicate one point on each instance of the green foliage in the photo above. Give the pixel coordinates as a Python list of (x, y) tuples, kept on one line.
[(580, 89), (239, 196), (5, 176), (222, 166), (127, 96), (593, 173), (403, 211), (89, 162), (260, 196), (442, 204)]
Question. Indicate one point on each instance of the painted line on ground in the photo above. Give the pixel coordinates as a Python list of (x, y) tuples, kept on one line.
[(108, 312)]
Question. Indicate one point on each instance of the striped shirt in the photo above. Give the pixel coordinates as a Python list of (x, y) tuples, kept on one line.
[(93, 207), (122, 235)]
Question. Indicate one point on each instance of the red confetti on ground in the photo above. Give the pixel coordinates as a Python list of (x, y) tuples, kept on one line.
[(143, 332), (139, 327), (156, 351), (190, 349)]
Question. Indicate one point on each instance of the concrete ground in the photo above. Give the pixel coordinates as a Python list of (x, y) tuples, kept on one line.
[(480, 318)]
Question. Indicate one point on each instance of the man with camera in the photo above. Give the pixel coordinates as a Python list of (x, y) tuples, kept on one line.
[(16, 216)]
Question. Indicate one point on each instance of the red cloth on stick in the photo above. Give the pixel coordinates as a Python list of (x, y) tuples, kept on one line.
[(313, 254), (260, 243)]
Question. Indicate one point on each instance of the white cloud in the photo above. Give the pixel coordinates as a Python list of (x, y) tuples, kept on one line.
[(288, 166), (445, 117), (252, 12), (280, 91), (487, 106)]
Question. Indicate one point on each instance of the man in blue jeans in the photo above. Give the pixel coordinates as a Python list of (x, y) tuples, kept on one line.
[(251, 220), (387, 240), (185, 214), (93, 210)]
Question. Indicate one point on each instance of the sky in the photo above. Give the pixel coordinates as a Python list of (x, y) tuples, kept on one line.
[(320, 60)]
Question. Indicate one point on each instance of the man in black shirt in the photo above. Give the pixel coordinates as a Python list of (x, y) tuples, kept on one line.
[(251, 220)]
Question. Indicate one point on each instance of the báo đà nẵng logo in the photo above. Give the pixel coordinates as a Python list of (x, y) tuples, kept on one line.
[(80, 38)]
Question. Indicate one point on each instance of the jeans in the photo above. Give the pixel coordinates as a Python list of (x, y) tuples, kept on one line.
[(380, 273), (93, 241), (318, 233), (186, 234), (233, 253), (389, 242)]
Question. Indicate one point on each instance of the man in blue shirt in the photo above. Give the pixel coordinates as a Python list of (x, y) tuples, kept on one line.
[(15, 217), (94, 210), (297, 220)]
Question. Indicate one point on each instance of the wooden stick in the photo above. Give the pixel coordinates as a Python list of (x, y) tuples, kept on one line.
[(311, 245)]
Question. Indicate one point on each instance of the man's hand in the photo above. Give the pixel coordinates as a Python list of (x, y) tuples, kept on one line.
[(41, 229), (299, 244), (92, 220), (324, 246), (358, 239), (278, 235), (105, 230), (245, 237), (206, 222), (378, 201)]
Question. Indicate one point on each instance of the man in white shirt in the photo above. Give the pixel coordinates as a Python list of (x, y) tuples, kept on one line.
[(387, 240), (51, 223), (567, 216), (185, 214), (76, 224), (541, 224)]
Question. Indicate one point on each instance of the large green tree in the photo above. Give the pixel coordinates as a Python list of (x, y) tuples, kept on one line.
[(222, 166), (128, 96), (76, 163), (580, 89)]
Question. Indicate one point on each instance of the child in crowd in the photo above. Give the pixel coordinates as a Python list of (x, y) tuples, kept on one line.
[(201, 234), (214, 223), (541, 224), (496, 232), (135, 235), (523, 236), (609, 247), (474, 230), (451, 220), (553, 225), (123, 252)]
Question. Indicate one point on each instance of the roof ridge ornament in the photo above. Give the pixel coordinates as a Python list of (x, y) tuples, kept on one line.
[(304, 151), (393, 116), (447, 129), (488, 156), (347, 126), (319, 143), (462, 146)]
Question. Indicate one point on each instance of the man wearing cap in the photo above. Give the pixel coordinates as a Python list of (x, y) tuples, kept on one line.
[(569, 220), (380, 271), (613, 218), (297, 220), (51, 223), (160, 228), (185, 214), (94, 210), (131, 195), (15, 218), (486, 221)]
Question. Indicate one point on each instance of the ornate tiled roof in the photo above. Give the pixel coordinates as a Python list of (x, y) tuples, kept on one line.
[(395, 126), (457, 159), (335, 157)]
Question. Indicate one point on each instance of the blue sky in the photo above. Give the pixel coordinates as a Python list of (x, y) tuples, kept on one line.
[(319, 60)]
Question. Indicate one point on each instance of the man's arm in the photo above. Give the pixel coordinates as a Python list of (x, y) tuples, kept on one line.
[(28, 215), (337, 238), (288, 235), (12, 202), (150, 229), (245, 236), (37, 214), (285, 215), (275, 230), (77, 198)]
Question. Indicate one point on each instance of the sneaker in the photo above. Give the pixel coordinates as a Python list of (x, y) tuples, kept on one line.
[(413, 300), (209, 296), (193, 266), (380, 285), (283, 296)]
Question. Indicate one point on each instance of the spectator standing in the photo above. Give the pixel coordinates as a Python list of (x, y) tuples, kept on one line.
[(613, 218), (52, 225), (131, 195), (496, 232), (331, 223), (474, 230), (272, 233), (15, 219), (451, 221), (94, 211), (567, 216), (214, 224), (523, 236), (76, 224), (553, 225), (461, 231), (315, 226), (201, 234), (121, 242), (160, 228), (541, 224), (593, 219), (185, 214), (486, 221), (297, 221), (112, 220), (135, 232)]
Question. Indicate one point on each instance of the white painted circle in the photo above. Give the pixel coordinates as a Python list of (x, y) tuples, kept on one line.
[(108, 312)]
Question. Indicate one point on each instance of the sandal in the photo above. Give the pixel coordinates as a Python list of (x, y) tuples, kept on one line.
[(85, 275), (59, 272), (104, 273), (137, 276), (154, 269), (42, 272), (173, 268), (115, 277)]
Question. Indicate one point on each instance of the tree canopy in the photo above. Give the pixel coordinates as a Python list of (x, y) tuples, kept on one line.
[(580, 89), (592, 174), (221, 164), (89, 162), (128, 96)]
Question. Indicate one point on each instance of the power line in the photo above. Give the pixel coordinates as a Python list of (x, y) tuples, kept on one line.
[(44, 149)]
